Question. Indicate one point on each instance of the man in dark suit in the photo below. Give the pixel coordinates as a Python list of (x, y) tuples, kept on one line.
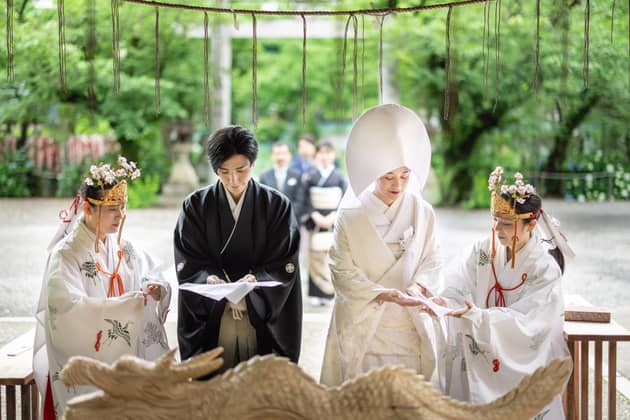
[(284, 179)]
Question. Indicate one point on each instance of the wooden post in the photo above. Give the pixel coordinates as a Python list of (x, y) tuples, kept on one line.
[(598, 380), (612, 380), (584, 380)]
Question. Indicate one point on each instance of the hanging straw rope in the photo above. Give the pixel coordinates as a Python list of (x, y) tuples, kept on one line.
[(303, 71), (254, 81), (206, 71), (157, 60), (485, 47), (10, 39), (89, 52), (381, 20), (116, 45), (351, 19), (345, 42), (587, 24), (497, 34), (362, 62), (62, 43), (355, 75), (383, 11), (447, 68), (537, 65), (612, 20)]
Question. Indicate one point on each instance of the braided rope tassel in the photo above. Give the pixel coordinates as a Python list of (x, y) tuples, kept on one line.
[(381, 20), (61, 23), (355, 74), (587, 24), (206, 71), (485, 47), (254, 81), (447, 66), (303, 70), (89, 52), (10, 64), (537, 66), (497, 34), (116, 45), (157, 60), (612, 20), (362, 61)]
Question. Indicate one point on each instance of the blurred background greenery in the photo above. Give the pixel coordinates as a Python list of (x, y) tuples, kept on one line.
[(570, 137)]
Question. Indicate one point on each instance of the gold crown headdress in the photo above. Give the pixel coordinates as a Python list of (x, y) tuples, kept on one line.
[(105, 175), (503, 202), (500, 205)]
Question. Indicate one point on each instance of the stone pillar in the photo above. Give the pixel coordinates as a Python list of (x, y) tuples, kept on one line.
[(183, 179)]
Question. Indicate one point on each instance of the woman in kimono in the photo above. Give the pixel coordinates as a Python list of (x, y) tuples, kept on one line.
[(324, 185), (100, 297), (384, 247), (507, 317)]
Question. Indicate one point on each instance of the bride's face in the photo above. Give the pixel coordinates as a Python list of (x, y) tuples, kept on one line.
[(391, 185)]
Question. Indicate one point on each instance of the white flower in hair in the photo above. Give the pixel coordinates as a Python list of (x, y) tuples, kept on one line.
[(104, 174), (519, 190)]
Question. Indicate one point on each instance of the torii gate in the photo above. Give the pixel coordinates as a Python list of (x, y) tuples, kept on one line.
[(282, 28)]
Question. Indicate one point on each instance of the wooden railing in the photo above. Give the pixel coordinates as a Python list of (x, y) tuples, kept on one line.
[(16, 378), (579, 336)]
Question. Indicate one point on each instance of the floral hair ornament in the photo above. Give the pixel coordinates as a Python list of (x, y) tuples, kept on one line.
[(500, 205), (503, 202), (104, 175), (112, 183)]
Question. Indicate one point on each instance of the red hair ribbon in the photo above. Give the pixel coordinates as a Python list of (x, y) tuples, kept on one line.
[(74, 208)]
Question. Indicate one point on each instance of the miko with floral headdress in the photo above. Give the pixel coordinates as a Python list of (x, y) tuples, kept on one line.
[(101, 297), (508, 309)]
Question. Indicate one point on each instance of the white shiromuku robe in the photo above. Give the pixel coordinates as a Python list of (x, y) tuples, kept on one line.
[(376, 248), (75, 316), (490, 349)]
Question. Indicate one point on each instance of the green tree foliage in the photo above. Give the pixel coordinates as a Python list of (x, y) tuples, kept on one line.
[(522, 130), (556, 129)]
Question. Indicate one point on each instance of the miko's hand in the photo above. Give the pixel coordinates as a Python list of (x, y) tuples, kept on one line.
[(247, 278), (458, 313), (212, 279)]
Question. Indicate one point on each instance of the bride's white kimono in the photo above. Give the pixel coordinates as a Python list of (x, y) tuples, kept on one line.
[(75, 316), (490, 348), (375, 248)]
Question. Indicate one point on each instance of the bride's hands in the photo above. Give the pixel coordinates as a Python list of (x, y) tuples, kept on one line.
[(397, 297)]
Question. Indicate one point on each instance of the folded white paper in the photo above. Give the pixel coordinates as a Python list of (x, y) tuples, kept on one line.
[(439, 310), (233, 292)]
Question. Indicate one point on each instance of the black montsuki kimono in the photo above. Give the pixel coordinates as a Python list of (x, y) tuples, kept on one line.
[(265, 243)]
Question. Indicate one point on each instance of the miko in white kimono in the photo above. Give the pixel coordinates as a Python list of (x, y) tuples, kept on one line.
[(384, 248), (100, 298), (507, 298)]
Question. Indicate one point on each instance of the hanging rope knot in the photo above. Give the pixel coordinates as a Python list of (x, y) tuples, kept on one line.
[(115, 281), (499, 296)]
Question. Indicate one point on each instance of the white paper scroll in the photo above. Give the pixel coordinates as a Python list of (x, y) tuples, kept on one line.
[(233, 292)]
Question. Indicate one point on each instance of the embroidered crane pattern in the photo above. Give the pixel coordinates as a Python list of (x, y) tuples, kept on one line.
[(475, 349), (118, 331)]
